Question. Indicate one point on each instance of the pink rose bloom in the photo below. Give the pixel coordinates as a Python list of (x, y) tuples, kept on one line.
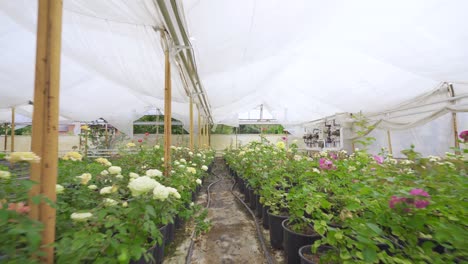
[(326, 164), (396, 200), (419, 192), (464, 135), (378, 159), (333, 156), (284, 138), (421, 203), (140, 140)]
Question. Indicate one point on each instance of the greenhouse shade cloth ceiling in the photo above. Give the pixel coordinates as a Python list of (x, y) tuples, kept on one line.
[(301, 60)]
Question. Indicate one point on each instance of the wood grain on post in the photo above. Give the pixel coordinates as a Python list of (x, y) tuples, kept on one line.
[(191, 123), (46, 118), (167, 112), (12, 145)]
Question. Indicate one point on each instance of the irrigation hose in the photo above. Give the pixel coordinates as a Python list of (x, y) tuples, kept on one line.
[(259, 232), (188, 258)]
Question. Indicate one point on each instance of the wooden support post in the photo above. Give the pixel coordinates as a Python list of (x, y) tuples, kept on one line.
[(389, 139), (167, 112), (46, 118), (191, 123), (12, 145), (107, 137), (6, 138), (207, 134), (455, 133), (199, 129)]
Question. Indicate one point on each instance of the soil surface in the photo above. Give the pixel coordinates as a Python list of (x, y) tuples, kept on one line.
[(232, 237)]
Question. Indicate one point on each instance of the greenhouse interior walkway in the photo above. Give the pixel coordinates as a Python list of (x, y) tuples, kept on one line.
[(232, 237)]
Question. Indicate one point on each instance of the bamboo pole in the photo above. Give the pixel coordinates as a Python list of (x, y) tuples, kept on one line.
[(191, 123), (167, 112), (46, 118), (12, 145), (455, 133), (107, 137), (389, 139), (199, 129), (6, 138)]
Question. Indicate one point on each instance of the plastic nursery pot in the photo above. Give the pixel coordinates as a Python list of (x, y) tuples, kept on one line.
[(258, 207), (241, 185), (276, 230), (157, 251), (178, 222), (252, 199), (307, 257), (246, 194), (293, 241), (170, 232), (194, 196), (265, 218)]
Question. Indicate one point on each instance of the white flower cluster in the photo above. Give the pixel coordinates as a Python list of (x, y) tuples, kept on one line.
[(81, 216), (110, 202), (59, 189), (198, 181), (191, 170), (84, 178), (204, 167), (114, 170), (153, 173), (5, 175), (103, 161), (142, 185), (133, 175)]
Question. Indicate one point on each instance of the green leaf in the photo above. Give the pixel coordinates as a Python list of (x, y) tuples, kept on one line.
[(369, 254), (150, 210), (374, 228)]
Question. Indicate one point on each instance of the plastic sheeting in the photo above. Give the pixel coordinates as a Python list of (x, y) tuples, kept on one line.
[(112, 65), (301, 59), (305, 59)]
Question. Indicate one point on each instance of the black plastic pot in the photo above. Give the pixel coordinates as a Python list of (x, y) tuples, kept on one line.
[(241, 185), (276, 230), (265, 217), (194, 196), (170, 231), (294, 241), (258, 207), (307, 250), (178, 222), (246, 194), (252, 199), (157, 251)]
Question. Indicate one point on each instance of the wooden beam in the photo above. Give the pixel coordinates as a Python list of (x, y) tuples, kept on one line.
[(12, 145), (46, 118), (199, 130), (191, 123), (167, 111), (389, 139)]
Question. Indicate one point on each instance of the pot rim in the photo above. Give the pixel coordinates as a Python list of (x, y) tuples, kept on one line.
[(289, 230)]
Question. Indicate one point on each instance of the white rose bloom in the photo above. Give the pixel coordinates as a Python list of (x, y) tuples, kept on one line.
[(153, 173), (199, 155), (192, 204), (114, 170), (160, 192), (174, 192), (176, 162), (110, 202), (142, 185), (125, 204), (316, 170), (173, 147), (181, 166), (191, 170), (204, 167), (108, 164), (162, 159), (198, 181), (84, 178), (104, 172), (156, 147), (119, 176), (172, 171), (5, 175), (80, 216), (183, 161), (106, 190), (190, 153), (92, 187), (59, 189), (133, 175)]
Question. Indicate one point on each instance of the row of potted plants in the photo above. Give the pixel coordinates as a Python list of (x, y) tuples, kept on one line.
[(357, 208), (118, 209)]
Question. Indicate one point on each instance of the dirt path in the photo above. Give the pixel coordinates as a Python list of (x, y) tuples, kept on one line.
[(232, 237)]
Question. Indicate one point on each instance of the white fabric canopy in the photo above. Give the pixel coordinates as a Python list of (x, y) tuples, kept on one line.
[(301, 59)]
